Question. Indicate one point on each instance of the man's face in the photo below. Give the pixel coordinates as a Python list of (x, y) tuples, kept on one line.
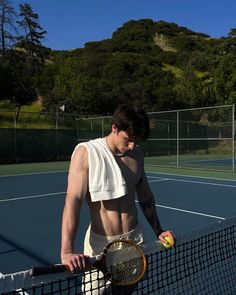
[(123, 143)]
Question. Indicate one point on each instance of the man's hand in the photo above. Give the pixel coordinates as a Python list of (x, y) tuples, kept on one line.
[(75, 262), (169, 234)]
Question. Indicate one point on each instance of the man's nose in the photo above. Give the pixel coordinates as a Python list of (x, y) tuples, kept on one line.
[(131, 145)]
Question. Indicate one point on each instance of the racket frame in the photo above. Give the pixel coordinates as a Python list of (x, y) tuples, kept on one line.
[(100, 264)]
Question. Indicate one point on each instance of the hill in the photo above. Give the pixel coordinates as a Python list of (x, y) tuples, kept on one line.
[(157, 65)]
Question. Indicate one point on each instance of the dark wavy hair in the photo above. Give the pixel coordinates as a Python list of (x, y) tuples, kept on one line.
[(132, 120)]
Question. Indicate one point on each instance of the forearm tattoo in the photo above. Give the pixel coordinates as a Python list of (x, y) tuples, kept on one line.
[(149, 210)]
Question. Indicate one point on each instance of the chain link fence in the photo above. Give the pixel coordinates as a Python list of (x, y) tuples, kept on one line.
[(36, 137), (202, 138)]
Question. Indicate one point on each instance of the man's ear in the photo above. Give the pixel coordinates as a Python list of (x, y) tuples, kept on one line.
[(114, 128)]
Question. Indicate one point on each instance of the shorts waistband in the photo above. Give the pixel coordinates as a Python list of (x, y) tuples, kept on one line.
[(94, 243), (127, 235)]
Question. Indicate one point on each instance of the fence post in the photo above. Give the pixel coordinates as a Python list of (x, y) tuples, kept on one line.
[(77, 129), (233, 138), (15, 137), (57, 135), (177, 133), (102, 127)]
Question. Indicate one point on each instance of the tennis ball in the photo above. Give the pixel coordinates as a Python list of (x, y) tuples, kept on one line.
[(170, 242)]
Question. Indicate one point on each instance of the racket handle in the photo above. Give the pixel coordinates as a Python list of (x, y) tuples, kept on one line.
[(43, 270), (55, 268)]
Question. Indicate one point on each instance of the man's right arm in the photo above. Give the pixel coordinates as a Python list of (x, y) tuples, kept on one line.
[(76, 193)]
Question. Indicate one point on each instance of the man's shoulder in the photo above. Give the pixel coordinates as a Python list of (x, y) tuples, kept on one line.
[(80, 149), (80, 155), (136, 152)]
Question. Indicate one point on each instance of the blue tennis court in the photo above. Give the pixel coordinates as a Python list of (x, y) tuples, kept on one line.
[(31, 208)]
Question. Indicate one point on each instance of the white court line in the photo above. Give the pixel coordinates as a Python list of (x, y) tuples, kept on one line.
[(190, 176), (158, 180), (46, 195), (155, 180), (31, 197), (191, 212), (33, 173), (193, 181), (161, 206), (188, 211)]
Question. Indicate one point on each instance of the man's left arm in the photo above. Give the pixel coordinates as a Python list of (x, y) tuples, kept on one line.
[(148, 207)]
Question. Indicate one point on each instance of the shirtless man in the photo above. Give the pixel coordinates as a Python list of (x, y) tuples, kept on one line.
[(116, 218)]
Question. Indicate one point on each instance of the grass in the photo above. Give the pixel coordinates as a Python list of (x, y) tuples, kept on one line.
[(200, 74), (31, 117), (9, 106), (174, 70), (163, 42), (5, 105)]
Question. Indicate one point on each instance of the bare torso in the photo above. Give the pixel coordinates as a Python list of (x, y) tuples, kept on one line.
[(115, 217)]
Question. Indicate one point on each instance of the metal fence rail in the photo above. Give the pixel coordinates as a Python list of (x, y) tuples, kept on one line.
[(193, 138)]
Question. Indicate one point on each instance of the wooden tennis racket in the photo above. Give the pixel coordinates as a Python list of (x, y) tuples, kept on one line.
[(123, 262)]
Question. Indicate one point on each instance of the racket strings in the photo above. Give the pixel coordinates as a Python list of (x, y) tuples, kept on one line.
[(125, 262)]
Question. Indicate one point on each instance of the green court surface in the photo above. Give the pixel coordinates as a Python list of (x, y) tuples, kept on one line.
[(15, 169)]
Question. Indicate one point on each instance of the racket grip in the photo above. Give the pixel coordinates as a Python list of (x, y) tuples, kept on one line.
[(43, 270)]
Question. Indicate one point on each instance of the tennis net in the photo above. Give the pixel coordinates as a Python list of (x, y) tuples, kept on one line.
[(203, 262)]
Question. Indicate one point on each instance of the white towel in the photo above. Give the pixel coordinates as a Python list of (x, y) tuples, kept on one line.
[(106, 181)]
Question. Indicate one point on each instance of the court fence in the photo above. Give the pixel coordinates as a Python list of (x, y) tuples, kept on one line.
[(198, 138)]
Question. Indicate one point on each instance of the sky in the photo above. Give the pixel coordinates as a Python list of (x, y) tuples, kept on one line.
[(72, 23)]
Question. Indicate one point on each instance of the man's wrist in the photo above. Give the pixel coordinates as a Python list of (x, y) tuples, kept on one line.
[(159, 232), (64, 254)]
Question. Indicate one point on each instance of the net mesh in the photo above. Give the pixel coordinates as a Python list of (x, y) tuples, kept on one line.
[(203, 262)]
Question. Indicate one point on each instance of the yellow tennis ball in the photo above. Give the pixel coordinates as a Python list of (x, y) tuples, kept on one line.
[(170, 242)]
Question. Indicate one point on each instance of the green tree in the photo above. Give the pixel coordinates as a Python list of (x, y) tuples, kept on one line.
[(7, 25), (33, 33), (225, 79), (45, 84), (6, 77), (232, 33), (135, 36), (188, 89), (78, 91), (132, 67), (18, 82)]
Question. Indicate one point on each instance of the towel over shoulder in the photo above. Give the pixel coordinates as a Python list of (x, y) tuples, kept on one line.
[(106, 181)]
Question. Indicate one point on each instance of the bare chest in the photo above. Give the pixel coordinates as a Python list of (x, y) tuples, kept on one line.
[(130, 168)]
